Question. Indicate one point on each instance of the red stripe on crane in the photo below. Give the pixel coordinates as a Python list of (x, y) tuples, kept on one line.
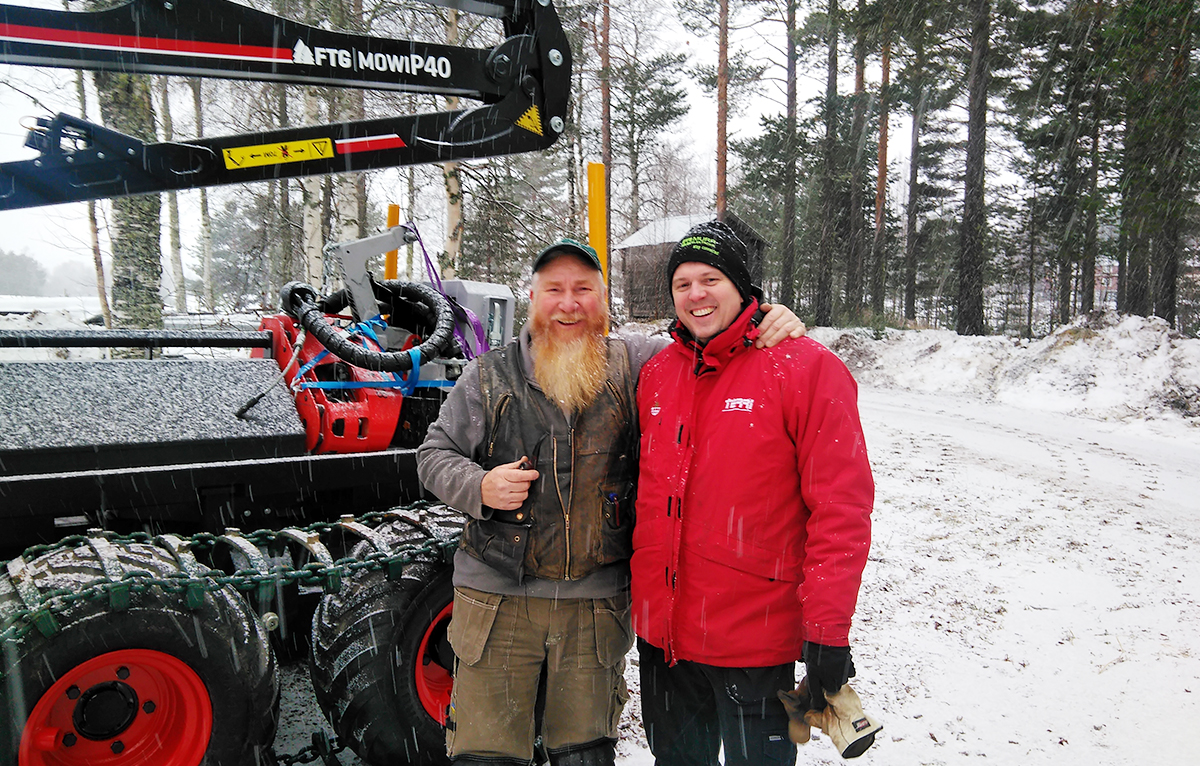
[(370, 144), (132, 43)]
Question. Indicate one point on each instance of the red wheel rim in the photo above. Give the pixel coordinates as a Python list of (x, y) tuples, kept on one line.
[(433, 681), (133, 706)]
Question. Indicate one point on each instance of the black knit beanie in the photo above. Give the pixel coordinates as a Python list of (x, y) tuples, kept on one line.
[(716, 244)]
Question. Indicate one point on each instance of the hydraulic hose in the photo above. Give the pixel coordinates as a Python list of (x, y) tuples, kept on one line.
[(302, 303)]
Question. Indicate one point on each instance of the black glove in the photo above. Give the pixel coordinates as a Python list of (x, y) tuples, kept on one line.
[(828, 667)]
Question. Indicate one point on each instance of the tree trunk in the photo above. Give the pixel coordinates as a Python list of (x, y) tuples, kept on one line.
[(93, 224), (854, 252), (1140, 145), (412, 217), (312, 240), (823, 300), (1064, 288), (452, 180), (1032, 273), (286, 241), (878, 259), (351, 187), (209, 297), (1174, 200), (1087, 267), (972, 258), (722, 102), (176, 257), (787, 292), (127, 105), (606, 135), (920, 96)]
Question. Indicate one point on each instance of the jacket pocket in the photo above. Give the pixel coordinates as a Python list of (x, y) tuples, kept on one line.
[(614, 634), (749, 558), (472, 621), (499, 545), (617, 504)]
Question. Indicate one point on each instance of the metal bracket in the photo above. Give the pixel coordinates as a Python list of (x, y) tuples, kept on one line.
[(353, 257), (179, 549), (311, 542)]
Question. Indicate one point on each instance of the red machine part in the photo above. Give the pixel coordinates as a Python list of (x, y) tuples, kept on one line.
[(434, 682), (356, 419), (132, 706)]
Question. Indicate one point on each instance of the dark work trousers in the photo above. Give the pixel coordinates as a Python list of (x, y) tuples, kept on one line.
[(691, 709)]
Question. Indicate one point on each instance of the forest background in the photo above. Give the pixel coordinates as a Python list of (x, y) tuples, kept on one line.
[(1048, 162)]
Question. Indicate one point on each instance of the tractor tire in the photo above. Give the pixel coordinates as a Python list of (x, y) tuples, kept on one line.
[(381, 662), (153, 682)]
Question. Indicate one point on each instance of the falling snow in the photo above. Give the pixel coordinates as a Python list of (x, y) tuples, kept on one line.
[(1031, 595)]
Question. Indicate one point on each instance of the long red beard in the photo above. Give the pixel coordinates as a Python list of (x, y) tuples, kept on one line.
[(570, 372)]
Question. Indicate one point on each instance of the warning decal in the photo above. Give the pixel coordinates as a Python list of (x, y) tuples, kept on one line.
[(276, 154), (531, 120)]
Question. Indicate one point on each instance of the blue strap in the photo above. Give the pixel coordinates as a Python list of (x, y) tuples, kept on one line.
[(311, 363), (414, 375), (406, 384), (346, 384)]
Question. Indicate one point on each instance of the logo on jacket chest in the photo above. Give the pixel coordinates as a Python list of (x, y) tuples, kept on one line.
[(739, 405)]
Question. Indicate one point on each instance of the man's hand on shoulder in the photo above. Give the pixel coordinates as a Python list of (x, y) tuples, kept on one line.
[(778, 325), (506, 486)]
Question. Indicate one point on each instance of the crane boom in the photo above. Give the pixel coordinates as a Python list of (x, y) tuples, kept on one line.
[(522, 82)]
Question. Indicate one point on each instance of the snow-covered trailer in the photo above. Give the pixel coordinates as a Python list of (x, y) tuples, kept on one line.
[(173, 525)]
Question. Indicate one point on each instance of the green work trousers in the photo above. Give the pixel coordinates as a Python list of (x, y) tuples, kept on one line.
[(504, 644)]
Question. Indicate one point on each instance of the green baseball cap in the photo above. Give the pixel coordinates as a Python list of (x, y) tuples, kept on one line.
[(567, 246)]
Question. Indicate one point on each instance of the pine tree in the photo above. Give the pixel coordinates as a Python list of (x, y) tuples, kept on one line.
[(127, 105), (972, 255)]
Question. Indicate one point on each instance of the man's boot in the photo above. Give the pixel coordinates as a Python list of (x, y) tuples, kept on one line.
[(601, 752), (483, 760)]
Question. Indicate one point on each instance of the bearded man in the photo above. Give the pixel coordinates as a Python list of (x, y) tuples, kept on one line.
[(537, 445)]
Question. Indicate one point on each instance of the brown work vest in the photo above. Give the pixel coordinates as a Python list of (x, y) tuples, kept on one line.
[(579, 513)]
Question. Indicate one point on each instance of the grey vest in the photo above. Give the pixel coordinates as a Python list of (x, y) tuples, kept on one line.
[(579, 513)]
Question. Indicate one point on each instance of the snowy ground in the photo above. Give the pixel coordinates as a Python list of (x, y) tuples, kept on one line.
[(1029, 597)]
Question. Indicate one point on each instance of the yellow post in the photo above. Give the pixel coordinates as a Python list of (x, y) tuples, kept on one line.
[(597, 230), (391, 268)]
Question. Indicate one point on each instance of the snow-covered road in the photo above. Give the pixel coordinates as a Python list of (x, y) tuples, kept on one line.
[(1031, 597)]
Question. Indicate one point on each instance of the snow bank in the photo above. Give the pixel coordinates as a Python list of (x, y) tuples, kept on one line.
[(20, 313), (1103, 366)]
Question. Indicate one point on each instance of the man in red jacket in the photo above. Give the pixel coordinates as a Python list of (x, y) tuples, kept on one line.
[(753, 518)]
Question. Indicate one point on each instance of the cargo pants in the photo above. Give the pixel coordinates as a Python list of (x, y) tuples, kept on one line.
[(503, 645)]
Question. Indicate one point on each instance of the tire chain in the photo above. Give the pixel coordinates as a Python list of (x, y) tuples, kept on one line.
[(323, 747), (38, 612)]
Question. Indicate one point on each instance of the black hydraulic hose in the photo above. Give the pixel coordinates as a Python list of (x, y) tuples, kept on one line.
[(301, 302)]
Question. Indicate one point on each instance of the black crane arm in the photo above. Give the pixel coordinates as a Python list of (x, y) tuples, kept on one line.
[(522, 82)]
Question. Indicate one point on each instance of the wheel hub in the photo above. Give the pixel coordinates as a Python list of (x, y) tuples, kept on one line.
[(129, 707), (105, 710)]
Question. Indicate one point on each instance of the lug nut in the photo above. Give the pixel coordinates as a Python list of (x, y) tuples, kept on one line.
[(118, 746), (122, 672), (148, 706), (68, 740), (73, 693)]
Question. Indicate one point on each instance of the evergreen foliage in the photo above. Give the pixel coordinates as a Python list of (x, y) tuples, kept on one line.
[(1075, 156)]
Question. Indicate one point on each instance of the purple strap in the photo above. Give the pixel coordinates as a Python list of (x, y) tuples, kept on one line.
[(480, 336)]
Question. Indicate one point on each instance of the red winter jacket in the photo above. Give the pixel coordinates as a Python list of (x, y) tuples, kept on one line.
[(754, 500)]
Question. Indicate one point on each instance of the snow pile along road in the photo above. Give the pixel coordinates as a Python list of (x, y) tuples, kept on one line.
[(1102, 365), (1030, 596), (1033, 595)]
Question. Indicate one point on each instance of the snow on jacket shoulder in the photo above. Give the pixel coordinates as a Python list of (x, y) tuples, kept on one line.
[(754, 500)]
